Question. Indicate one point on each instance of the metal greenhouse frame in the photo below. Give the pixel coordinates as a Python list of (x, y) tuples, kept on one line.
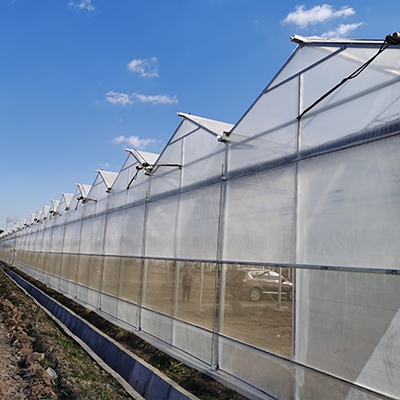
[(304, 188)]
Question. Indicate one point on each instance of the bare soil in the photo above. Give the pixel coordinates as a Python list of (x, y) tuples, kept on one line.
[(32, 346)]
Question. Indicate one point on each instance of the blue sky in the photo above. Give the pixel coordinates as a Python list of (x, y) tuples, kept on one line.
[(82, 80)]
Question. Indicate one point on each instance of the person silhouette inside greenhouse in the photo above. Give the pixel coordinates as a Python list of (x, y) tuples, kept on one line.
[(187, 282)]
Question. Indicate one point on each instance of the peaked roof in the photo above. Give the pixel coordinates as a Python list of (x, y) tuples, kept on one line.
[(214, 126), (108, 177), (143, 157), (84, 189), (67, 198), (320, 40), (55, 204)]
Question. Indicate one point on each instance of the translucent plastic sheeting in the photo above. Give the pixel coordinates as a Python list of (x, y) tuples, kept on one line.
[(349, 211), (91, 208), (52, 281), (334, 70), (302, 59), (130, 279), (139, 189), (86, 236), (157, 324), (266, 323), (200, 308), (355, 116), (123, 178), (92, 236), (47, 242), (83, 277), (124, 232), (347, 324), (275, 147), (38, 238), (161, 227), (129, 176), (69, 267), (99, 226), (184, 128), (202, 162), (54, 264), (268, 373), (113, 234), (192, 340), (272, 110), (127, 313), (111, 276), (167, 178), (109, 304), (98, 190), (159, 288), (260, 217), (118, 199), (72, 236), (197, 224), (57, 238), (183, 225), (82, 293)]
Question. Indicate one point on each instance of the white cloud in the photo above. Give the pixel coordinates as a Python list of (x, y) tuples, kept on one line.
[(342, 30), (124, 99), (134, 141), (145, 68), (157, 99), (118, 98), (303, 17), (82, 5)]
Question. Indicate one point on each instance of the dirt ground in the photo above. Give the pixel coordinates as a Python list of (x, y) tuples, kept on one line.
[(33, 347), (26, 364)]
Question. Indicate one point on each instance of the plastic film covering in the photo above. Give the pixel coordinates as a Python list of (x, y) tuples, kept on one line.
[(353, 114), (131, 277), (125, 175), (124, 232), (270, 149), (302, 60), (272, 110), (209, 158), (162, 227), (72, 237), (57, 238), (260, 217), (349, 207), (197, 224), (184, 128), (200, 309), (192, 340), (157, 324), (92, 236), (47, 240), (331, 308), (129, 177), (184, 225), (127, 314), (111, 276), (138, 189), (168, 178)]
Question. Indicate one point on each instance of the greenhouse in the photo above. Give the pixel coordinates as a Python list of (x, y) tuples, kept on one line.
[(287, 222)]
